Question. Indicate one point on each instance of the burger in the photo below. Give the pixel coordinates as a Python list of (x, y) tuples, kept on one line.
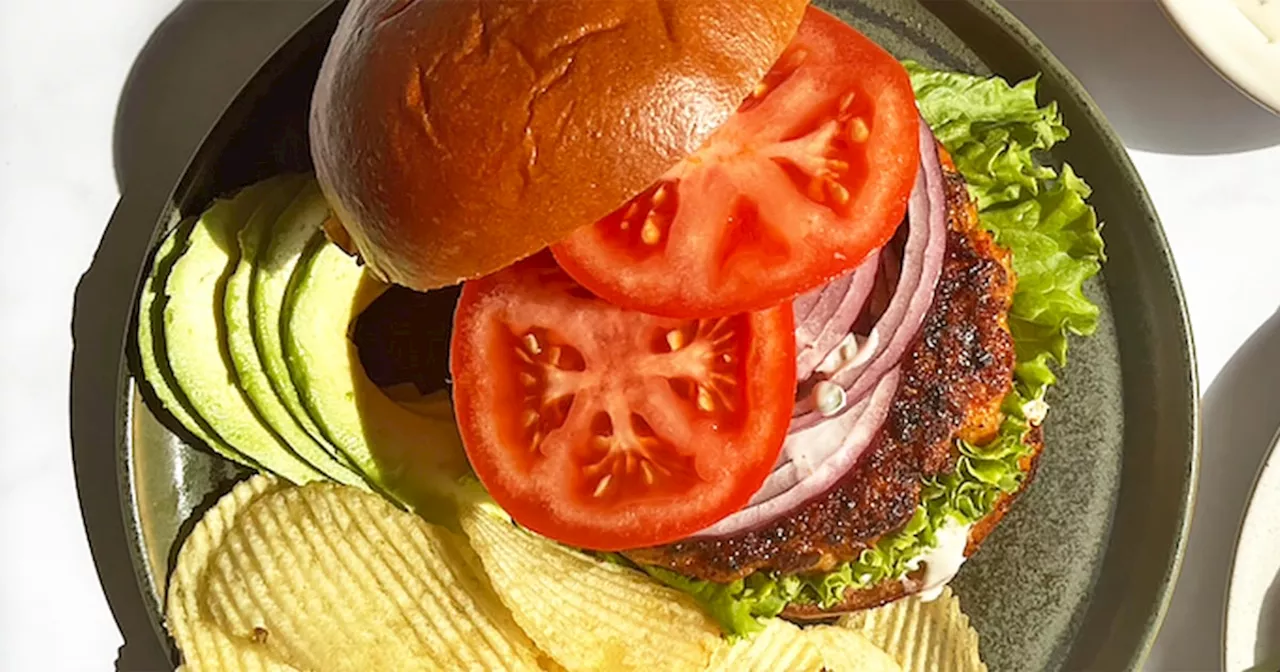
[(747, 303)]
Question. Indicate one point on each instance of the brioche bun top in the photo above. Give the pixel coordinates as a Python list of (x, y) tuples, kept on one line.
[(454, 137)]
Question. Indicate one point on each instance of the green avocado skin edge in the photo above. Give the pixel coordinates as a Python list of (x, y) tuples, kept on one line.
[(249, 366), (151, 348), (277, 258), (195, 335), (244, 337)]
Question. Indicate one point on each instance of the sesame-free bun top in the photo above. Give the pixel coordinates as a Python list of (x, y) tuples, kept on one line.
[(454, 137)]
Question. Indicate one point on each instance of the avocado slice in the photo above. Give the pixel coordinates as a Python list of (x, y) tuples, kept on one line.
[(195, 333), (414, 455), (151, 347), (274, 266), (249, 366)]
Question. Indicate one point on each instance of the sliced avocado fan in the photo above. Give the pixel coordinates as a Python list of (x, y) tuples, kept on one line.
[(277, 258), (249, 365), (151, 347), (195, 335), (414, 455)]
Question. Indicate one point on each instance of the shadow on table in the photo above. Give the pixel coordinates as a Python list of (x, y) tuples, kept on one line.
[(1241, 415), (189, 70), (1154, 89)]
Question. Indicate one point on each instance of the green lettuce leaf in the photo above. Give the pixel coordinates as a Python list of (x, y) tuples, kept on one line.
[(996, 134), (740, 606)]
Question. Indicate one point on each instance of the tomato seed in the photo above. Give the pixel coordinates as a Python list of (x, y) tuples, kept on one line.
[(795, 58), (858, 131), (650, 233), (532, 344), (838, 192), (847, 101), (704, 400), (660, 196)]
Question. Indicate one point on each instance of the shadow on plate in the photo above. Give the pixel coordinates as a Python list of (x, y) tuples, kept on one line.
[(1153, 87), (189, 70), (1241, 414)]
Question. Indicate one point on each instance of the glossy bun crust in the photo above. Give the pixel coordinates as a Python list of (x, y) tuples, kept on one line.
[(454, 137)]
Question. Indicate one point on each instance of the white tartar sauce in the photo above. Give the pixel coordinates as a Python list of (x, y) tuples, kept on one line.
[(942, 562), (850, 352), (1035, 410)]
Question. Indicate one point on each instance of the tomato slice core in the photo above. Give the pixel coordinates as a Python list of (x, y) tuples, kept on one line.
[(606, 428), (811, 174)]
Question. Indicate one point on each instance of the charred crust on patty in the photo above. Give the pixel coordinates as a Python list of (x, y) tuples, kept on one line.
[(889, 590)]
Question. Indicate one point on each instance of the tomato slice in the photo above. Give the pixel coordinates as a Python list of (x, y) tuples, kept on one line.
[(609, 429), (809, 176)]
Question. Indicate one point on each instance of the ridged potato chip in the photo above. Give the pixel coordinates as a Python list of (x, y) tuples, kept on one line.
[(585, 613), (202, 644), (846, 650), (333, 578), (922, 636), (780, 646)]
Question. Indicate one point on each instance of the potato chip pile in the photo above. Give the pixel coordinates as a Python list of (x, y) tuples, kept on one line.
[(329, 577)]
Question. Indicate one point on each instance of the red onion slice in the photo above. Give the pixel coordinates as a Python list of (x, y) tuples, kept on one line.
[(825, 306), (803, 305), (817, 459), (823, 445), (916, 281), (804, 450), (918, 278), (829, 335), (886, 283)]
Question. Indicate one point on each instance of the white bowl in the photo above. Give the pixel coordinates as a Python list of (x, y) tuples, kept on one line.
[(1251, 636), (1239, 38)]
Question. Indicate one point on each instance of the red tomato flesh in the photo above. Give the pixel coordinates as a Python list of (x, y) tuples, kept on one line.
[(808, 177), (609, 429)]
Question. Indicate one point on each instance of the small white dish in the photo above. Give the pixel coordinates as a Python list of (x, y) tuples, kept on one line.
[(1252, 631), (1239, 38)]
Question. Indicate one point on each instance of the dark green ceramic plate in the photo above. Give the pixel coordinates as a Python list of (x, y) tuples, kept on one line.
[(1078, 575)]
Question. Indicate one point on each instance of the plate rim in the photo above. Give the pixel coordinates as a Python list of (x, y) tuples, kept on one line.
[(1270, 462), (997, 14), (998, 18)]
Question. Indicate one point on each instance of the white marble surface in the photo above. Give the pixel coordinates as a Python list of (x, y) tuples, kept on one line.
[(1210, 159)]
